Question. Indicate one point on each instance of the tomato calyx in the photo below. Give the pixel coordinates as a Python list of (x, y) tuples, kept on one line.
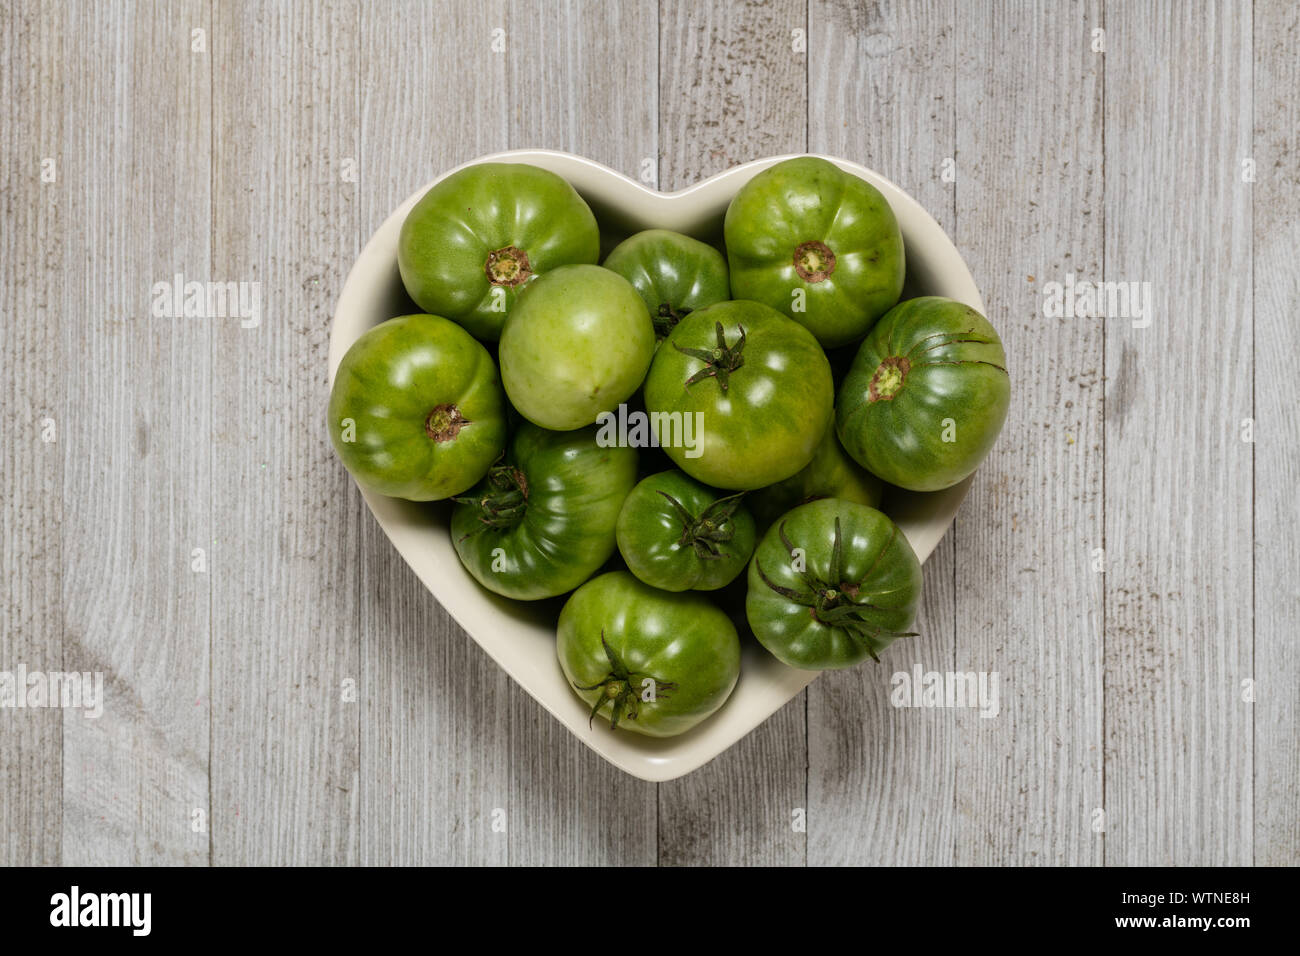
[(502, 498), (814, 261), (712, 528), (720, 361), (444, 422), (508, 266), (666, 319), (622, 689), (833, 601), (888, 379)]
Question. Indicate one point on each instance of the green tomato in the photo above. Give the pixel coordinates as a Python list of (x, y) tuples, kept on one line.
[(543, 521), (674, 274), (473, 241), (577, 343), (817, 243), (760, 386), (678, 535), (832, 583), (646, 660), (830, 474), (926, 396), (416, 410)]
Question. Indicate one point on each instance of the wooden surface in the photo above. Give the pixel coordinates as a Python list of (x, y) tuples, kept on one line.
[(1125, 561)]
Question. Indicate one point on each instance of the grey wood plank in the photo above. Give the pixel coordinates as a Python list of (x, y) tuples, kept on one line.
[(1029, 194), (734, 88), (591, 75), (137, 462), (880, 779), (1276, 236), (435, 744), (1178, 514), (31, 394), (285, 738)]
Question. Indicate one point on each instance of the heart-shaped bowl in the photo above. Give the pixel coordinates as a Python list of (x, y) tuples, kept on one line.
[(521, 637)]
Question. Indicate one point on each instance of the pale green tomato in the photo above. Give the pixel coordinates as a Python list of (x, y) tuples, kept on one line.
[(578, 342)]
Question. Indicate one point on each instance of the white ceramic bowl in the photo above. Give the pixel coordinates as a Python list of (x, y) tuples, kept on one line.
[(521, 637)]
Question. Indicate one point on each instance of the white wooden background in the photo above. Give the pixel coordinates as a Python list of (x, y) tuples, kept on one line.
[(228, 154)]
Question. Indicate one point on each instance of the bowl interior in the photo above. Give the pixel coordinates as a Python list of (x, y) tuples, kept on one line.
[(521, 637)]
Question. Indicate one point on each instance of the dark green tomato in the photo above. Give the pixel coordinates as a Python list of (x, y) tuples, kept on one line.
[(679, 535), (674, 274), (832, 583), (830, 474), (646, 660), (817, 243), (543, 521), (417, 410), (578, 343), (926, 396), (761, 388), (473, 240)]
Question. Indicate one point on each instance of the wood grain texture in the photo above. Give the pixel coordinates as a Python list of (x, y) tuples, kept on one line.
[(1276, 214), (1178, 510), (286, 613), (435, 745), (881, 779), (137, 460), (1028, 605), (31, 394), (733, 87), (733, 80), (589, 71)]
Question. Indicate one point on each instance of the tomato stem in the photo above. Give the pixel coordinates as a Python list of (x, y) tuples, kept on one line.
[(814, 261), (719, 362), (508, 266), (888, 379), (621, 689), (667, 318), (444, 422), (833, 601), (712, 528), (502, 497)]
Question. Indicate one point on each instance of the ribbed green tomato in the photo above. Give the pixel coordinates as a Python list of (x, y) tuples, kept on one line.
[(417, 410), (674, 274), (578, 343), (760, 386), (679, 535), (830, 474), (646, 660), (543, 521), (817, 243), (832, 583), (476, 238), (926, 395)]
